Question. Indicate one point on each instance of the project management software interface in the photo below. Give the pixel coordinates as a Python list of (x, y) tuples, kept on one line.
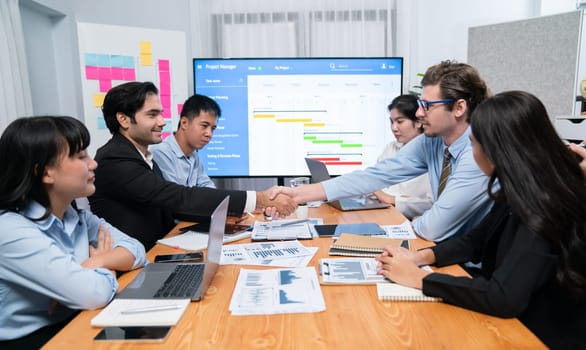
[(277, 112)]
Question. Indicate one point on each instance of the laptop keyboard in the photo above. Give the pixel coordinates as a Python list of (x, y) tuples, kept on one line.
[(182, 282)]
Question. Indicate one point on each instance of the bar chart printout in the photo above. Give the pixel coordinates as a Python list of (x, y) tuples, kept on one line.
[(277, 291)]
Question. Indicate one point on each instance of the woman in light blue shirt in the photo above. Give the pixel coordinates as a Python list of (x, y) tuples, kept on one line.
[(56, 259)]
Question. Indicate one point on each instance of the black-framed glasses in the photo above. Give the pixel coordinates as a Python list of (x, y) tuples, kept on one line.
[(425, 104)]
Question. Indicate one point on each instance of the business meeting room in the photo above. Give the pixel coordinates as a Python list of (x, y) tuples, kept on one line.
[(292, 174)]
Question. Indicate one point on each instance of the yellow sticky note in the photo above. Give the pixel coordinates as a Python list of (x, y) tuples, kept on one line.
[(99, 100), (146, 47), (146, 60)]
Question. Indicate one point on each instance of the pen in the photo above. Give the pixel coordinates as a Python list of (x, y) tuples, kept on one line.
[(150, 309), (292, 222)]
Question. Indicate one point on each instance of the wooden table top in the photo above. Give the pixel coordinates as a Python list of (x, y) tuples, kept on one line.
[(354, 317)]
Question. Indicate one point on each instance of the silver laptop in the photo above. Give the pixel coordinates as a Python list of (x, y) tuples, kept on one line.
[(319, 172), (182, 280)]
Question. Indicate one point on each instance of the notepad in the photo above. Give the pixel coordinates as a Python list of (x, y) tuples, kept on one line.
[(114, 314), (359, 245), (397, 292)]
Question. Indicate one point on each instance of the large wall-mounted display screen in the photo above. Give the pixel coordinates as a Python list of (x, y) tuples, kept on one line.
[(277, 111)]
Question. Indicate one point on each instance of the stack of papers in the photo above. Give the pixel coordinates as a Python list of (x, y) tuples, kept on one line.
[(402, 231), (277, 291), (141, 312), (281, 230), (284, 254)]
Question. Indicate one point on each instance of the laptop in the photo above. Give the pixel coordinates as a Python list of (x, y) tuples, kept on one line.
[(319, 172), (182, 280)]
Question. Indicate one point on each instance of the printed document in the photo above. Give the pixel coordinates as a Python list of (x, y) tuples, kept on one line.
[(277, 291), (402, 231), (266, 253), (350, 271)]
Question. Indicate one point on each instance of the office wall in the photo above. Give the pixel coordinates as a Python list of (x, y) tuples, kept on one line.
[(429, 31), (438, 30), (58, 89), (538, 55)]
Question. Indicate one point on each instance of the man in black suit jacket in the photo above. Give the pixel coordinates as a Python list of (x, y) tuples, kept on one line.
[(131, 192)]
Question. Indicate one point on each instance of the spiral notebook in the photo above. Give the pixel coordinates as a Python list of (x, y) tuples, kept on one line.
[(358, 245), (397, 292)]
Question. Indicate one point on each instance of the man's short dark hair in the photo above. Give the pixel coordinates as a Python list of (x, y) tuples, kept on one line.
[(125, 98), (197, 104)]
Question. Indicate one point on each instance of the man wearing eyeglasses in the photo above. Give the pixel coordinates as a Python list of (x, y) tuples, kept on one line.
[(451, 91)]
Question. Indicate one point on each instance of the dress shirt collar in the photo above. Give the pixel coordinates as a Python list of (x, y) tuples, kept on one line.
[(172, 141), (460, 144), (34, 209), (148, 157)]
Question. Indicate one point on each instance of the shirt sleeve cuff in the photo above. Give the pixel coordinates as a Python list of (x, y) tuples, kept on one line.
[(250, 205)]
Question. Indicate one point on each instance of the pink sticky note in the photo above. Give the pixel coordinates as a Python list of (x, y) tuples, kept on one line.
[(104, 73), (179, 108), (91, 72), (165, 101), (166, 112), (129, 74), (117, 73), (164, 77), (163, 65), (165, 88), (105, 85), (164, 135)]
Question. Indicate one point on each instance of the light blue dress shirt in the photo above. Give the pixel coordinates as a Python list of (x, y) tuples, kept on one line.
[(40, 266), (178, 168), (463, 203)]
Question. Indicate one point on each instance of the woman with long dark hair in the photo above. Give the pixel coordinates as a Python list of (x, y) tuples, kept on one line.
[(532, 245), (412, 197), (56, 260)]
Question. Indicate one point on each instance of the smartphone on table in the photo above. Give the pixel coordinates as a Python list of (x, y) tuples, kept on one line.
[(134, 334), (185, 257)]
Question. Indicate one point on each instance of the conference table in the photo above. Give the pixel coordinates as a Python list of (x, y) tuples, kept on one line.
[(354, 317)]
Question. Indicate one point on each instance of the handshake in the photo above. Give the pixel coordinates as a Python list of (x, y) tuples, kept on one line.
[(279, 201)]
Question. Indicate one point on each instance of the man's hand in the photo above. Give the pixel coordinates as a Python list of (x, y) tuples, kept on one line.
[(384, 197), (282, 204)]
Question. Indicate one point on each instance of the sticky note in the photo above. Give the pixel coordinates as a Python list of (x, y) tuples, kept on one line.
[(163, 65), (91, 72), (164, 77), (117, 61), (117, 73), (128, 62), (99, 99), (129, 74), (145, 47), (146, 59), (104, 73), (103, 60), (105, 85), (101, 123), (90, 59)]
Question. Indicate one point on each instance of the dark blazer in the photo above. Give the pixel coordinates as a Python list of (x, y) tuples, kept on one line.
[(517, 279), (139, 202)]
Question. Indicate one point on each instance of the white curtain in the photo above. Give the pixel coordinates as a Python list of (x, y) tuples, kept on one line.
[(15, 91), (301, 28), (292, 28)]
